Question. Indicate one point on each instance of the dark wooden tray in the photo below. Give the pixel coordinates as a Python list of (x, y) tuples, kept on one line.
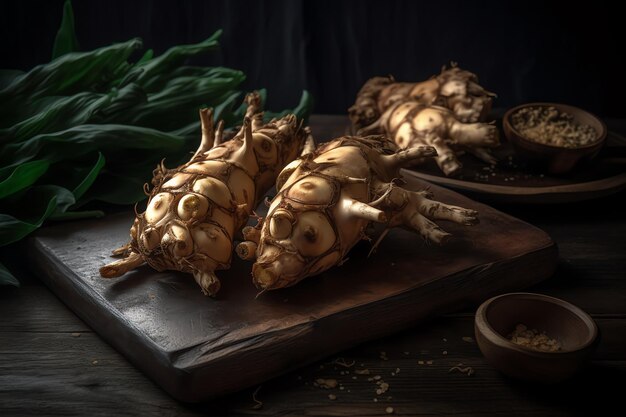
[(510, 181), (197, 348)]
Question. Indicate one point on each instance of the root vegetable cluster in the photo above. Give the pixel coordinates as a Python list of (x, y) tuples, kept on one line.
[(195, 210), (325, 202), (445, 112)]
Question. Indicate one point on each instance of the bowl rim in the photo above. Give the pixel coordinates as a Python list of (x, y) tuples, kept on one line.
[(493, 336), (507, 117)]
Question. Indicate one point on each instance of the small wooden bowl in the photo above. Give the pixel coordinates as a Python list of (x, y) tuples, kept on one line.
[(574, 329), (555, 159)]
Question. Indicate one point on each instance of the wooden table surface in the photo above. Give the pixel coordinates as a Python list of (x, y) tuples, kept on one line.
[(51, 363)]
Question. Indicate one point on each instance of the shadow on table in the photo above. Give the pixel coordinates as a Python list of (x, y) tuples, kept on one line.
[(596, 391)]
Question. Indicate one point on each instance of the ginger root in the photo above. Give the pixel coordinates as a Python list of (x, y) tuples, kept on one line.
[(444, 111), (413, 124), (327, 198), (454, 88), (195, 210)]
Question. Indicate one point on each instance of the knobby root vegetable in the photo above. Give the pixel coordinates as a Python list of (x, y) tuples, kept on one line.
[(194, 211), (415, 114), (454, 89), (328, 198), (411, 124)]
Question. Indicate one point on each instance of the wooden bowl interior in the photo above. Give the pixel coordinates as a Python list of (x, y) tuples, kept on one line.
[(579, 115), (559, 322)]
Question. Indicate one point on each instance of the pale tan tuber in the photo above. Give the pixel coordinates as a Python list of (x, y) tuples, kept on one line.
[(326, 200), (195, 210), (454, 88), (444, 111), (412, 124)]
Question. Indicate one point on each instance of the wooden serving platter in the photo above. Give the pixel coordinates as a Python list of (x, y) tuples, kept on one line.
[(510, 181), (197, 348)]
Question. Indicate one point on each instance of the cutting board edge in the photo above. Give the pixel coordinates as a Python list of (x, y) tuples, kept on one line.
[(182, 385), (547, 254)]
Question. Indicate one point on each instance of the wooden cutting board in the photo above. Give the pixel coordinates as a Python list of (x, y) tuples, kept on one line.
[(197, 348)]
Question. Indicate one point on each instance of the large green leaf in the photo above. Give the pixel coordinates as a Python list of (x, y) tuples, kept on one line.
[(89, 179), (69, 74), (173, 58), (7, 76), (65, 40), (35, 206), (81, 140), (23, 176)]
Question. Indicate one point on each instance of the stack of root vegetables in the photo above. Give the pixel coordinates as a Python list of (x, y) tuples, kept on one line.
[(326, 198)]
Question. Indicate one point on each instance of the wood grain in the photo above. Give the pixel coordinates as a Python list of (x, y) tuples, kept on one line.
[(57, 378), (162, 323)]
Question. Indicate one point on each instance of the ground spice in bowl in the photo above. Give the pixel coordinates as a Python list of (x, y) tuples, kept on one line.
[(533, 339), (549, 126)]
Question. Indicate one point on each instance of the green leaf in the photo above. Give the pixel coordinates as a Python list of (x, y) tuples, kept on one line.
[(35, 206), (23, 176), (85, 139), (118, 189), (147, 56), (302, 110), (7, 76), (6, 278), (173, 58), (90, 178), (68, 74), (65, 40)]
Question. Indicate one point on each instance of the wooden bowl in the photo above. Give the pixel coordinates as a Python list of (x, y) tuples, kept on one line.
[(555, 159), (574, 329)]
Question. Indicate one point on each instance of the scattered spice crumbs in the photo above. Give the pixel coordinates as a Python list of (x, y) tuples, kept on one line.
[(75, 334), (468, 339), (467, 370), (326, 383)]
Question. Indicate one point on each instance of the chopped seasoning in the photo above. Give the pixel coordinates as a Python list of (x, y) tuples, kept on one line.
[(468, 339), (326, 383), (382, 387), (389, 410), (533, 339), (75, 334), (362, 371), (549, 126), (332, 397)]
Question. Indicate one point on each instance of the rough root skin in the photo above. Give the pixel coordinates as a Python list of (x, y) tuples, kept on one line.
[(329, 199), (445, 111), (454, 88), (195, 210)]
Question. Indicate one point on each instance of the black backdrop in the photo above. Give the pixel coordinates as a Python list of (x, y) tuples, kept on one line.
[(524, 51)]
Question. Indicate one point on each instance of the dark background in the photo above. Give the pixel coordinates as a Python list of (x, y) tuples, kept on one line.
[(524, 51)]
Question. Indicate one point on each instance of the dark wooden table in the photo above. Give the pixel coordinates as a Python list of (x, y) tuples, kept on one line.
[(51, 363)]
